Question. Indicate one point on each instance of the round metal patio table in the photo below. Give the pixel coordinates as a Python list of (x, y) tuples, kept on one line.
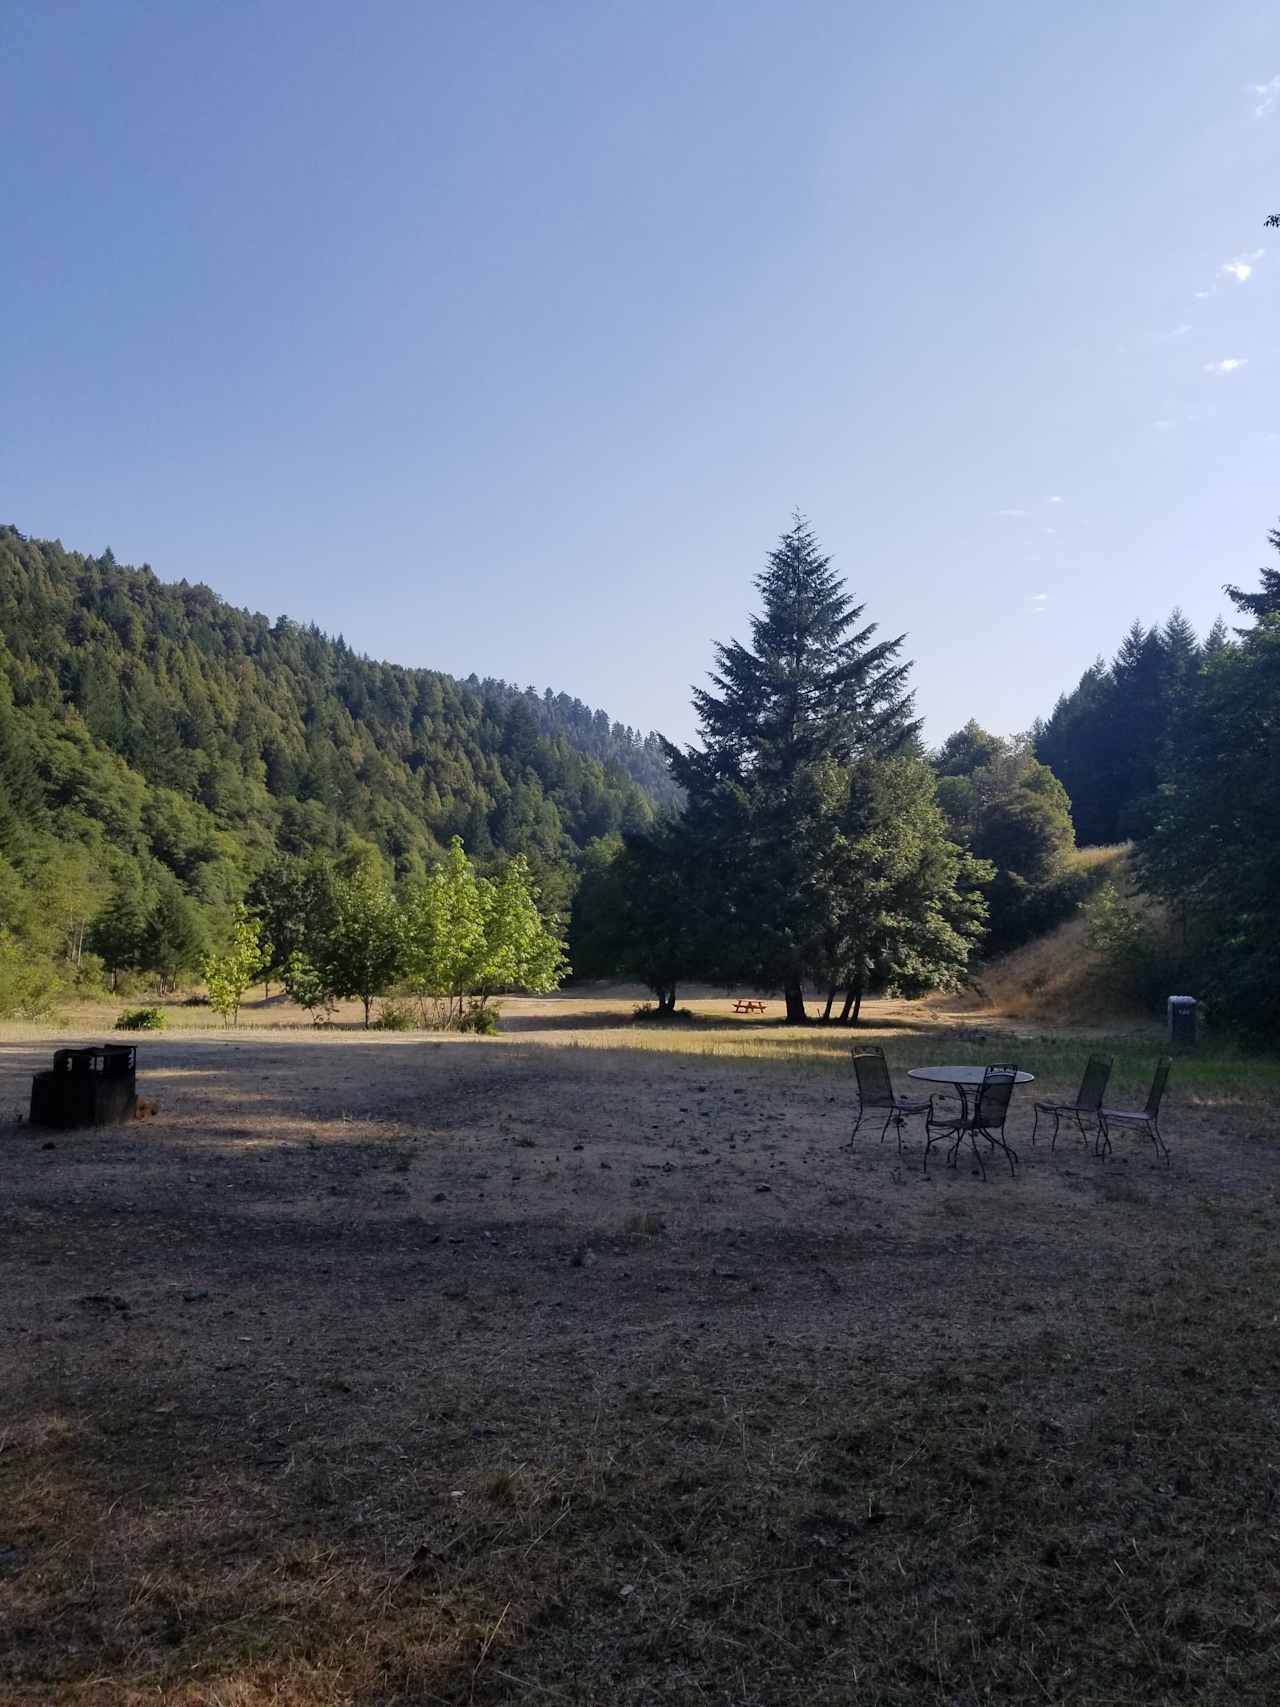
[(963, 1080)]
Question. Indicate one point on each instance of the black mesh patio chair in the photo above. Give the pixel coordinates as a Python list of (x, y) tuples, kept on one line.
[(1147, 1118), (990, 1109), (875, 1092), (1093, 1087)]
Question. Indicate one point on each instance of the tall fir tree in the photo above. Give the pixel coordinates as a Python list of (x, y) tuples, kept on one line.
[(815, 689), (813, 684)]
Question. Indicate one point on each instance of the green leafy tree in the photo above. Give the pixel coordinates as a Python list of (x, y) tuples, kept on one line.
[(521, 950), (359, 952), (292, 899), (30, 988), (641, 912), (306, 985), (900, 905), (444, 941), (968, 750), (228, 975), (465, 935), (1012, 812)]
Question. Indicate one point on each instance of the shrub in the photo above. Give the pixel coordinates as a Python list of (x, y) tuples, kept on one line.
[(1132, 940), (395, 1016), (90, 976), (647, 1011), (141, 1019), (30, 988), (481, 1018)]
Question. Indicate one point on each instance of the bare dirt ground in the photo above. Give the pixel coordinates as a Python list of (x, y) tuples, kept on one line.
[(580, 1366)]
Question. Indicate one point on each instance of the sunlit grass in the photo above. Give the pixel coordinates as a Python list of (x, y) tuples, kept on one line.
[(1056, 1058)]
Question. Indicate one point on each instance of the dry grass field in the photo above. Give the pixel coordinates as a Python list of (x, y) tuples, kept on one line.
[(586, 1365)]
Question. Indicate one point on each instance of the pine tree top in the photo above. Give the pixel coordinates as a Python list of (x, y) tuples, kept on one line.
[(1265, 602), (813, 684)]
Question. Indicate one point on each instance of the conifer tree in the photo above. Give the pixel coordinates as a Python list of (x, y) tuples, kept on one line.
[(815, 689), (22, 808), (1266, 601), (174, 939), (813, 684)]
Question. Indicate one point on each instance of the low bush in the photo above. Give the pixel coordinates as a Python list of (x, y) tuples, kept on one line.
[(647, 1011), (141, 1019), (480, 1018), (395, 1016)]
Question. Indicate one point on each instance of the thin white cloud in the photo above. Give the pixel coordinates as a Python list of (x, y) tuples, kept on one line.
[(1163, 426), (1229, 364), (1055, 500), (1268, 98), (1011, 512), (1038, 597), (1201, 294), (1240, 267)]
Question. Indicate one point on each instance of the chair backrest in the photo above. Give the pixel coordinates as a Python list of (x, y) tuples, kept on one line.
[(1093, 1087), (875, 1087), (1158, 1083), (992, 1102)]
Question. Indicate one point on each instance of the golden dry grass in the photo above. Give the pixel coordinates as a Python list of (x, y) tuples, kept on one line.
[(377, 1371)]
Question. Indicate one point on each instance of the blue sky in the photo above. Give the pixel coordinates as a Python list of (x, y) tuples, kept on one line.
[(506, 337)]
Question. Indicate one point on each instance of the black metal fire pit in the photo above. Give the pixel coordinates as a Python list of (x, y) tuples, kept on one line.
[(87, 1087)]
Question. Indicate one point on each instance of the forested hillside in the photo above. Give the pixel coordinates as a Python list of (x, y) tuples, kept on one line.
[(1110, 738), (151, 733)]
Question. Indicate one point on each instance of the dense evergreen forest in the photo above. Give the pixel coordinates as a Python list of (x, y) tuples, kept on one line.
[(157, 743), (1111, 738), (165, 722), (188, 787)]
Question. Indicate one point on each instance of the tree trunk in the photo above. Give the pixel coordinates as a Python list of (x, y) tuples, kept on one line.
[(848, 1004), (794, 993), (368, 1003), (857, 1005), (667, 1000), (826, 1012)]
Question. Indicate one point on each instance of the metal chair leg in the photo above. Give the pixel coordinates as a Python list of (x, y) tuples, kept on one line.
[(1161, 1147), (857, 1123), (1035, 1127), (1057, 1122), (973, 1143)]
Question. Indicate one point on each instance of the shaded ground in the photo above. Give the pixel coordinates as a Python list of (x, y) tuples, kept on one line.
[(384, 1370)]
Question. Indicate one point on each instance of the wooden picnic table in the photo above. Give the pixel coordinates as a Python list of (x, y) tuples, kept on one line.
[(746, 1005)]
